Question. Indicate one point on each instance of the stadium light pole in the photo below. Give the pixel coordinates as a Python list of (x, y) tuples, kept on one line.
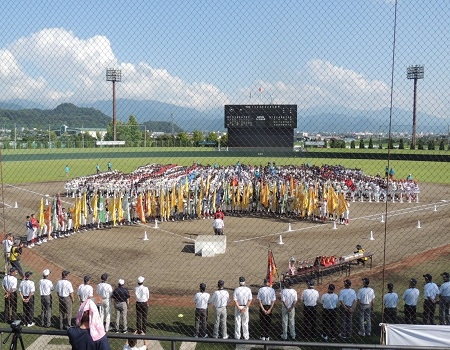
[(114, 75), (415, 73)]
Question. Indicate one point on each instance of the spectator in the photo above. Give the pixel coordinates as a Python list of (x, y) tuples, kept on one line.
[(330, 302), (242, 297), (430, 293), (390, 302), (85, 290), (121, 298), (444, 300), (89, 332), (64, 289), (347, 300), (45, 289), (27, 290), (266, 297), (365, 297), (142, 297), (411, 297), (220, 299), (9, 286), (201, 300), (288, 299), (104, 290), (310, 296)]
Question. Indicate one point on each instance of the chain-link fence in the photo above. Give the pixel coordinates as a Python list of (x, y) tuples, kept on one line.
[(234, 170)]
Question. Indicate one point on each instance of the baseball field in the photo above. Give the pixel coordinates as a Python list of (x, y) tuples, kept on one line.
[(407, 240)]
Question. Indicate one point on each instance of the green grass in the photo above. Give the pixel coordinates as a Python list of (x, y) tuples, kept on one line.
[(83, 163)]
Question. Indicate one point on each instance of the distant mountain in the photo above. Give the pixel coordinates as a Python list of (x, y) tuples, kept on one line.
[(329, 119), (65, 113), (313, 120), (187, 119)]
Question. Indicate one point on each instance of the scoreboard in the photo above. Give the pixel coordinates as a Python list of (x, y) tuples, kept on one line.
[(261, 116)]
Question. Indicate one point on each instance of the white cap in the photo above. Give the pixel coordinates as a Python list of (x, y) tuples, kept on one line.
[(46, 272), (121, 282), (141, 279)]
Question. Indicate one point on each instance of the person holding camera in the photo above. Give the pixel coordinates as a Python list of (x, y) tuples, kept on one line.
[(16, 252)]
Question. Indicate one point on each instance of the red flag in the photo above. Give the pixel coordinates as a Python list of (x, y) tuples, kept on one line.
[(272, 271)]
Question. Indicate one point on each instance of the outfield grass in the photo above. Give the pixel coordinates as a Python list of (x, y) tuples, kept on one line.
[(39, 166)]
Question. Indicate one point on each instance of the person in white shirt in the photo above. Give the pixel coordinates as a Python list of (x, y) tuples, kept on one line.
[(9, 285), (444, 299), (288, 299), (104, 290), (242, 297), (131, 344), (411, 297), (218, 225), (347, 300), (430, 293), (310, 297), (390, 302), (85, 290), (64, 289), (45, 290), (142, 297), (266, 297), (7, 243), (220, 300), (330, 302), (27, 290), (365, 296), (201, 300)]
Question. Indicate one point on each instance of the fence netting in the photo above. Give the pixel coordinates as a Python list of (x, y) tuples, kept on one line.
[(235, 170)]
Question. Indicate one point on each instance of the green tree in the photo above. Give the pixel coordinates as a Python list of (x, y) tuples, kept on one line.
[(197, 136), (370, 143), (183, 138), (431, 145), (361, 143), (212, 136), (391, 143), (420, 144), (441, 145), (352, 144), (325, 144), (224, 140), (401, 144)]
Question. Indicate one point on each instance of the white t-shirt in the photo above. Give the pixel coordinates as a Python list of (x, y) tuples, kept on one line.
[(201, 300), (220, 298), (266, 295), (289, 297), (104, 290), (45, 286), (85, 291), (242, 295)]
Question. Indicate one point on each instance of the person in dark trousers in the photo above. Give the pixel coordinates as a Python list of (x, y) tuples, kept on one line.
[(121, 297)]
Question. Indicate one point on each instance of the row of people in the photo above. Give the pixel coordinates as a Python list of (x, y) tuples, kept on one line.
[(105, 297), (337, 309)]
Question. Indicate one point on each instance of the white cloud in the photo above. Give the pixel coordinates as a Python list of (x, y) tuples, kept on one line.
[(56, 66)]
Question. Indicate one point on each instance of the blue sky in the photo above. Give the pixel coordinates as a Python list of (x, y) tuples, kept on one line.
[(203, 54)]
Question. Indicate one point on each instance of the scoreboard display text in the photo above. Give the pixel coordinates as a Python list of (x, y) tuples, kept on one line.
[(262, 116)]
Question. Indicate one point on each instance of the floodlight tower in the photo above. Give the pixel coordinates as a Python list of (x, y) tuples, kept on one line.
[(415, 73), (114, 75)]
